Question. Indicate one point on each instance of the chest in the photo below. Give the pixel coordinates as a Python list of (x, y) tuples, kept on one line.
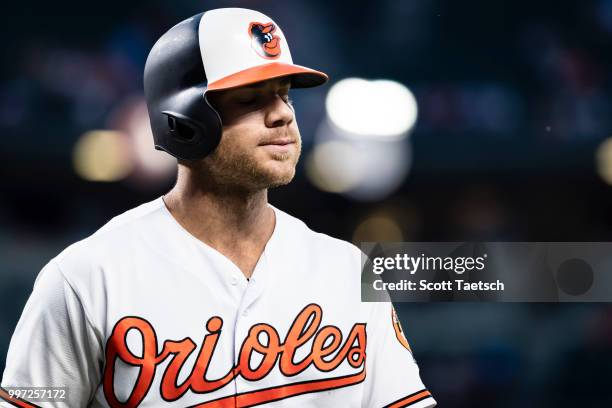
[(191, 337)]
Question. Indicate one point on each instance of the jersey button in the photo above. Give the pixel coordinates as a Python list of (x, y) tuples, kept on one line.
[(245, 313), (234, 280)]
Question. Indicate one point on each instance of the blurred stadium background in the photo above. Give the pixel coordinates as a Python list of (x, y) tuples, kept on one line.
[(488, 120)]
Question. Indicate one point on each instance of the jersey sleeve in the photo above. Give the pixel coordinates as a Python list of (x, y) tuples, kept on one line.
[(54, 344), (392, 375)]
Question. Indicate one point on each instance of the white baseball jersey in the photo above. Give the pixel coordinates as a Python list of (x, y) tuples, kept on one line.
[(143, 314)]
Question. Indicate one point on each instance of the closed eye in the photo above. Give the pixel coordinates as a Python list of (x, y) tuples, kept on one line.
[(285, 96), (247, 101)]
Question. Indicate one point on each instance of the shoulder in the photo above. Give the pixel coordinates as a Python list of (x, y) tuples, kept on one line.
[(327, 266), (315, 241), (132, 216), (111, 241), (88, 270)]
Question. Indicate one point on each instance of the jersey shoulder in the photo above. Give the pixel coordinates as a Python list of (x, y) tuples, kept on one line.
[(131, 215), (296, 228), (114, 237)]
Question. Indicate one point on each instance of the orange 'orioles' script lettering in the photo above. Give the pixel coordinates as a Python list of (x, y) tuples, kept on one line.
[(326, 341)]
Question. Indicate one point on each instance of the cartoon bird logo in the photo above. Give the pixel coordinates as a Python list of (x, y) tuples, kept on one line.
[(264, 41)]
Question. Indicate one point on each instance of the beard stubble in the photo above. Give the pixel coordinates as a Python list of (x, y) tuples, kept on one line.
[(233, 168)]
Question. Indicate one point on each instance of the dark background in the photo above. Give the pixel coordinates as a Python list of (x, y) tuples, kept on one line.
[(514, 102)]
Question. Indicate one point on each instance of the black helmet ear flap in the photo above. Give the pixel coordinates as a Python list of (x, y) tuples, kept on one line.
[(189, 139), (187, 126), (181, 128)]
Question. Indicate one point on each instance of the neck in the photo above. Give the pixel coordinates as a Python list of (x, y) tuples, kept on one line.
[(234, 221)]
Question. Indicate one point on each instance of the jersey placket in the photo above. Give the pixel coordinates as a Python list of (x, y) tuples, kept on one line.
[(245, 318)]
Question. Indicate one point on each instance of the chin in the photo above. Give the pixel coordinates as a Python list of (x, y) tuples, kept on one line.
[(278, 177), (281, 181)]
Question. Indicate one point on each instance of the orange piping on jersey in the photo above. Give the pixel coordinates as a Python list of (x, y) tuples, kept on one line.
[(410, 399)]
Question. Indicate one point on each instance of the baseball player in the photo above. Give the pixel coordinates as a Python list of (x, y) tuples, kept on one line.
[(209, 296)]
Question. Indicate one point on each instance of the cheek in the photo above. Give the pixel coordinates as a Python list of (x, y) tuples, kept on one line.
[(244, 135), (241, 136), (295, 131), (294, 128)]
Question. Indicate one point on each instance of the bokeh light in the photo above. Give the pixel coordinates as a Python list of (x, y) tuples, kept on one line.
[(382, 109), (334, 166), (102, 155), (378, 228), (603, 158), (364, 169), (151, 167)]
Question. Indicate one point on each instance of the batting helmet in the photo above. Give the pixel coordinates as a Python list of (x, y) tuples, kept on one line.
[(211, 51)]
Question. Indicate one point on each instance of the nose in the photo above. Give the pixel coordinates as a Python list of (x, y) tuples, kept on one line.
[(279, 112)]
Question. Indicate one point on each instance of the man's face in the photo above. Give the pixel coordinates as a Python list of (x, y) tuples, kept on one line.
[(261, 142)]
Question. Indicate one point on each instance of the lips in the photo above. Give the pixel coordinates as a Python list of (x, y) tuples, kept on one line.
[(282, 141)]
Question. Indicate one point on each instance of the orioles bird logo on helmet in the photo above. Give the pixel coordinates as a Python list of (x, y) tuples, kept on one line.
[(264, 41)]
